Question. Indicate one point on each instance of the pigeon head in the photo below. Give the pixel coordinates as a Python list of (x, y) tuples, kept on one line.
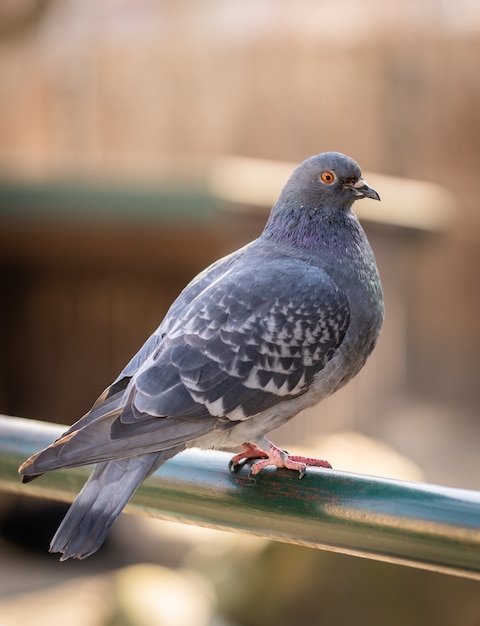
[(330, 180), (320, 192)]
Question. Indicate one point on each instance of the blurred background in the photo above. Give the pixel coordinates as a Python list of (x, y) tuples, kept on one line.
[(142, 139)]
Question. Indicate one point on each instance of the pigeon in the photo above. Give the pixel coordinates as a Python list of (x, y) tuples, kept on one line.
[(260, 335)]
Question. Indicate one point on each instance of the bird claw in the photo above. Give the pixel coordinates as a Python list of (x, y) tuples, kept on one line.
[(274, 457), (250, 451)]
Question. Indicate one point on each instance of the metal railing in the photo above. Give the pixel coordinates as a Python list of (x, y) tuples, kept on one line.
[(416, 524)]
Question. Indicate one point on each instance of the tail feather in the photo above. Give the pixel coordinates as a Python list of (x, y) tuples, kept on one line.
[(100, 502)]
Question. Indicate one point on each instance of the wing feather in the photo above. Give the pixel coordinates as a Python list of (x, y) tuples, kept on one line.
[(236, 342), (246, 343)]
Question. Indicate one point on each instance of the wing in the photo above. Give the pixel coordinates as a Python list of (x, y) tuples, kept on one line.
[(251, 338)]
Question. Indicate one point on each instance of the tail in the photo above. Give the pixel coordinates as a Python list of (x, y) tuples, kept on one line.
[(100, 502)]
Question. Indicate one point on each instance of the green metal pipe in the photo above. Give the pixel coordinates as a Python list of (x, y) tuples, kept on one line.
[(425, 526)]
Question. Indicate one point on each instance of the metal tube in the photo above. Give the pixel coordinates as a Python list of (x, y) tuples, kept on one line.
[(416, 524)]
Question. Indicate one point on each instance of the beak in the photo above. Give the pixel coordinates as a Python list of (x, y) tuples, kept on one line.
[(362, 190)]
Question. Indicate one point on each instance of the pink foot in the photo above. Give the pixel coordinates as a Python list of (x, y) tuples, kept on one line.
[(250, 451), (276, 457)]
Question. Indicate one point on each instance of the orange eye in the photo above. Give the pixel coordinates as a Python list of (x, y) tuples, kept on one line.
[(328, 177)]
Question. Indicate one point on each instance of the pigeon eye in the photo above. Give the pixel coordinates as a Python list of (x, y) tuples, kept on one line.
[(328, 177)]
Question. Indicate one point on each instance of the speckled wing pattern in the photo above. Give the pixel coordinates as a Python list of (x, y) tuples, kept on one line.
[(241, 346)]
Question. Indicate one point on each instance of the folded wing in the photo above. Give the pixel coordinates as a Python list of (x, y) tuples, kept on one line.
[(248, 340)]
